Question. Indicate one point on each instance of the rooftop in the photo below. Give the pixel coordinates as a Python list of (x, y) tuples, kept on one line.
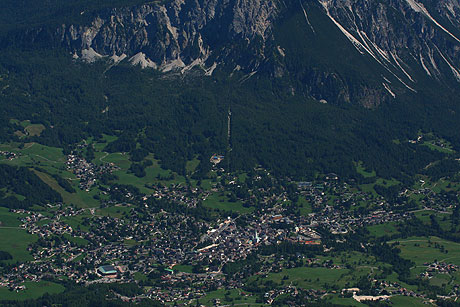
[(107, 269)]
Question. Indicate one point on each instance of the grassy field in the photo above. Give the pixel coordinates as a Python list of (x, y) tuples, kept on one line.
[(35, 155), (311, 278), (445, 185), (444, 219), (9, 219), (119, 159), (76, 221), (369, 188), (34, 129), (140, 276), (154, 174), (29, 128), (215, 201), (336, 299), (381, 230), (362, 170), (304, 206), (407, 301), (447, 149), (192, 165), (233, 296), (421, 250), (52, 161), (76, 240), (15, 242), (33, 290), (183, 268), (80, 198), (355, 259), (114, 211), (206, 184), (43, 152), (99, 146)]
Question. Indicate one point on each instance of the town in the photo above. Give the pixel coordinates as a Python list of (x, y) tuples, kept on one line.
[(183, 251)]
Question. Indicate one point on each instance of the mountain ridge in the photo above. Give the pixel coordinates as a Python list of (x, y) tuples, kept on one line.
[(407, 41)]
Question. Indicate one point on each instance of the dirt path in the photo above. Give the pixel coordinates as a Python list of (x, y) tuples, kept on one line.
[(101, 158)]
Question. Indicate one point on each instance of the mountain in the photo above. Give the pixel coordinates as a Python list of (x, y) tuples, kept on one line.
[(296, 75), (337, 51)]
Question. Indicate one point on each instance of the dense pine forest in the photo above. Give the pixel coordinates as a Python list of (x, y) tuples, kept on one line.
[(177, 118)]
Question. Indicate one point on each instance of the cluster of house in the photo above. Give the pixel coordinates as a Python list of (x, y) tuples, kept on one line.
[(87, 172), (142, 237), (439, 267), (176, 193), (9, 155), (272, 295), (193, 286)]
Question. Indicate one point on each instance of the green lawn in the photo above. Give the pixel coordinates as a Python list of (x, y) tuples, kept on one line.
[(362, 170), (447, 149), (444, 219), (34, 129), (407, 301), (15, 242), (183, 268), (440, 280), (215, 201), (381, 230), (393, 277), (35, 155), (154, 173), (312, 278), (33, 290), (227, 297), (44, 152), (191, 165), (113, 211), (346, 301), (443, 184), (9, 219), (242, 177), (419, 250), (76, 221), (356, 259), (206, 184), (77, 240), (119, 159), (140, 276), (369, 188), (304, 206), (79, 258), (99, 146), (80, 198)]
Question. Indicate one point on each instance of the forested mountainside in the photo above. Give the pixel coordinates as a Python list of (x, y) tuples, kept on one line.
[(400, 43), (313, 86)]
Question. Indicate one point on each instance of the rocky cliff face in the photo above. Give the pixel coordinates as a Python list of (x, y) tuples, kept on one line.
[(403, 36), (179, 34), (402, 42)]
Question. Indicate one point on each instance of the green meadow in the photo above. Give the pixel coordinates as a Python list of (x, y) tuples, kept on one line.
[(229, 297), (381, 230), (9, 219), (422, 249), (15, 242), (311, 278), (33, 290), (215, 201)]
